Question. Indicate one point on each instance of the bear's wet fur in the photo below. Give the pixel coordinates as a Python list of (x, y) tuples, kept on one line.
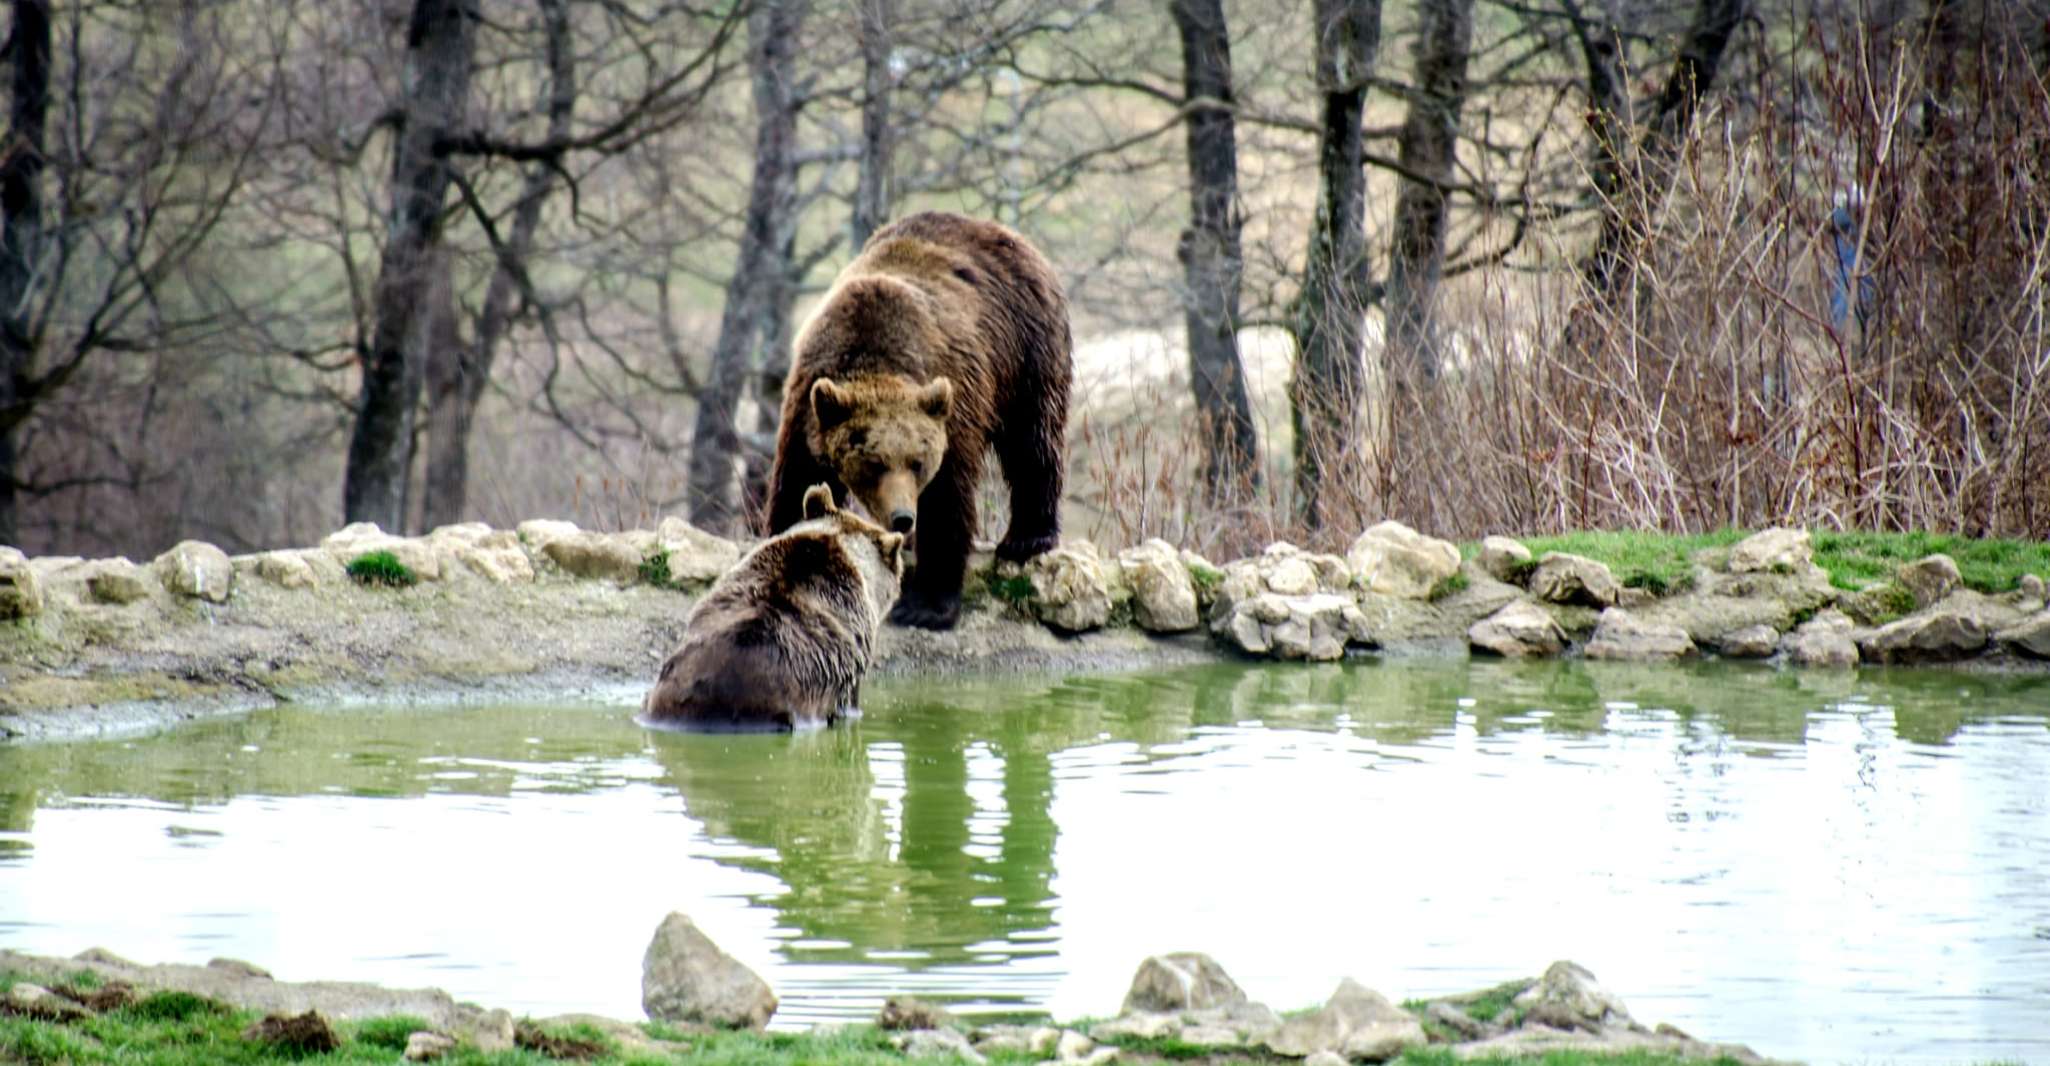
[(945, 339), (781, 641)]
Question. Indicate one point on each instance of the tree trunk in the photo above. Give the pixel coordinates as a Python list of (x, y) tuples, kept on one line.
[(1326, 392), (439, 46), (775, 366), (872, 193), (21, 244), (712, 488), (1211, 257), (460, 373), (1416, 256), (1626, 217)]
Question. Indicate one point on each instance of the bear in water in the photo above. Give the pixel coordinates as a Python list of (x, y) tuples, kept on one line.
[(782, 640), (945, 339)]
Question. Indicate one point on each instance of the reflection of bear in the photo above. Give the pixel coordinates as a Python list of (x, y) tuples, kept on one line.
[(782, 640), (945, 338)]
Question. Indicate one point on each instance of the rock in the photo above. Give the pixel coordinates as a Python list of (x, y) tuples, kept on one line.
[(285, 569), (296, 1034), (1520, 630), (2031, 588), (21, 591), (1750, 642), (116, 581), (595, 556), (1017, 1039), (695, 556), (1824, 640), (1571, 579), (906, 1012), (1139, 1025), (1070, 587), (238, 968), (1292, 577), (686, 978), (196, 569), (1940, 635), (1779, 548), (427, 1046), (498, 557), (1316, 626), (1568, 997), (537, 532), (1618, 634), (1929, 579), (1457, 1021), (1631, 598), (1502, 559), (1163, 595), (2030, 637), (1073, 1047), (420, 555), (1392, 559), (936, 1044), (1540, 1042), (1356, 1022), (1184, 980), (1326, 1058), (35, 1001), (1100, 1057)]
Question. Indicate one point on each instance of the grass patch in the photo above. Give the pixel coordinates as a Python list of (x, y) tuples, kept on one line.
[(1015, 590), (655, 570), (1450, 586), (382, 568), (1495, 1002), (1659, 563), (1161, 1047), (390, 1033), (1205, 578), (1856, 560)]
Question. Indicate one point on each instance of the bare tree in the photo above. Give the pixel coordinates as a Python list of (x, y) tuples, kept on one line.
[(773, 29), (1328, 324), (160, 123), (1210, 252), (872, 196), (458, 372), (1643, 184), (440, 47), (1430, 138)]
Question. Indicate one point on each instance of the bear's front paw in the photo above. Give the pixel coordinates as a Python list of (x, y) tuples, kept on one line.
[(1017, 550), (926, 615)]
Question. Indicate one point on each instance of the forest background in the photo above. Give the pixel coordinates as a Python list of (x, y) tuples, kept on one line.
[(1479, 265)]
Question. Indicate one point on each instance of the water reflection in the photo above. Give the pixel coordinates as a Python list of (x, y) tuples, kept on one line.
[(1740, 848)]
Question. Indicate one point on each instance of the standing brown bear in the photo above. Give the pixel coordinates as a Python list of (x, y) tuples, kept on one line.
[(946, 338), (781, 641)]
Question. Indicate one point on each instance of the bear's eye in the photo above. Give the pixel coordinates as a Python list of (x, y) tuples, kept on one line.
[(917, 468)]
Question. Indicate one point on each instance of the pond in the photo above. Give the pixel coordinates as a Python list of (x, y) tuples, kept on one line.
[(1827, 866)]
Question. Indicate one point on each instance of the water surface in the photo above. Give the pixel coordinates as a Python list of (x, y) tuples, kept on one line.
[(1827, 866)]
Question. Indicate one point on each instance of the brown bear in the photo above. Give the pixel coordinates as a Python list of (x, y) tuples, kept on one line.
[(782, 640), (945, 338)]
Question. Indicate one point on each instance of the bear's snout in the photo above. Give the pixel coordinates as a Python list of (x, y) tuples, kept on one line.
[(902, 519)]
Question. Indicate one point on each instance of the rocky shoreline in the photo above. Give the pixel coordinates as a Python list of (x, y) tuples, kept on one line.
[(1180, 1006), (548, 610)]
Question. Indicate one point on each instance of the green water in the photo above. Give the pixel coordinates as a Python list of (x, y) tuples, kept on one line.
[(1828, 866)]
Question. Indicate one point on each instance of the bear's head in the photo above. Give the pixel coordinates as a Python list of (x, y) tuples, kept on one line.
[(876, 551), (884, 437)]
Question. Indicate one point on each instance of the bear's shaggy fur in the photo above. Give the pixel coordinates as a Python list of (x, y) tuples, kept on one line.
[(945, 339), (782, 640)]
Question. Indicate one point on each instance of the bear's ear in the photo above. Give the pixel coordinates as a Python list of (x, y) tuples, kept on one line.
[(892, 545), (830, 404), (937, 398), (818, 502)]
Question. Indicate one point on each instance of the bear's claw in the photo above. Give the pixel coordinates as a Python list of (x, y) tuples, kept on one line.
[(1023, 548), (926, 615)]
